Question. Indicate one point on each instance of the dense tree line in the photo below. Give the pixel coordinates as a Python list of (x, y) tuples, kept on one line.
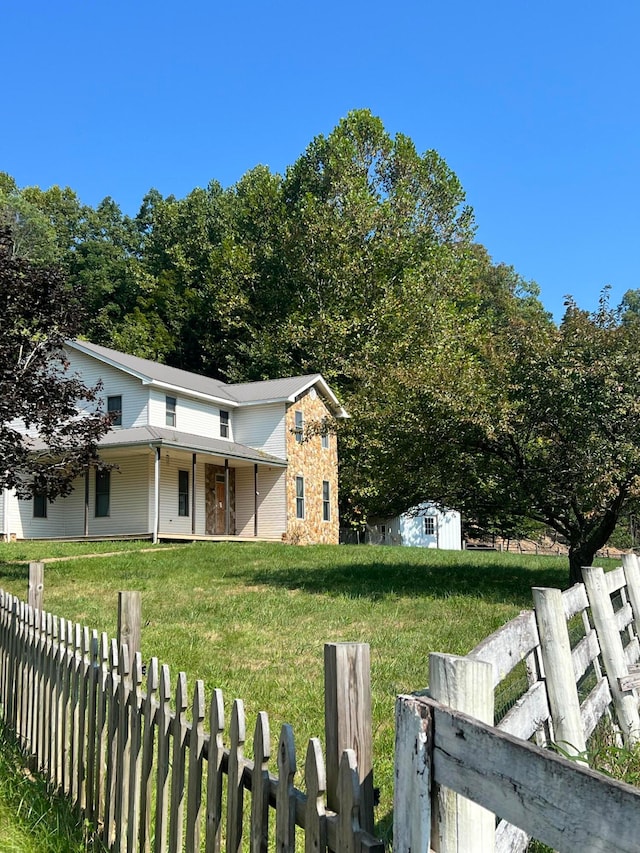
[(360, 263)]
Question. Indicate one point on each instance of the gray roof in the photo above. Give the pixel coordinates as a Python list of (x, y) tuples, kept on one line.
[(167, 437), (151, 371), (240, 394)]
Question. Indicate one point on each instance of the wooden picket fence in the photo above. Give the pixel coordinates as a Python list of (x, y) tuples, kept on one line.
[(453, 742), (147, 777)]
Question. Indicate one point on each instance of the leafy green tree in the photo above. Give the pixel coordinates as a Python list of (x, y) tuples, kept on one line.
[(36, 389), (555, 435)]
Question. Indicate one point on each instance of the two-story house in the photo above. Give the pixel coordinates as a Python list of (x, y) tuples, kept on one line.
[(196, 457)]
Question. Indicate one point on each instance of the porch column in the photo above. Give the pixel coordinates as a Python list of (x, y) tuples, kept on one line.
[(5, 514), (156, 496), (256, 494), (86, 501), (227, 505), (193, 493)]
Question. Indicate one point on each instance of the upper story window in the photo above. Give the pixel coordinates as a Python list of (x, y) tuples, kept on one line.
[(299, 427), (114, 408), (171, 411), (224, 424), (325, 440)]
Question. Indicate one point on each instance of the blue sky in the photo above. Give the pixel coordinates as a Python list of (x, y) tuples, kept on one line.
[(533, 105)]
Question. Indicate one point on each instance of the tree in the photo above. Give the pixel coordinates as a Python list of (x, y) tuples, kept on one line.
[(555, 435), (60, 413)]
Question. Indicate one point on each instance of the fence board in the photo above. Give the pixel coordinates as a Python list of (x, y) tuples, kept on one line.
[(101, 729), (260, 785), (149, 713), (123, 754), (559, 802), (285, 797), (235, 790), (215, 755), (179, 735), (135, 758), (196, 768), (164, 746), (612, 651), (112, 745), (315, 830)]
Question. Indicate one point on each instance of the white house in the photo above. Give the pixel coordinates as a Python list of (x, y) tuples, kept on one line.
[(424, 526), (196, 457)]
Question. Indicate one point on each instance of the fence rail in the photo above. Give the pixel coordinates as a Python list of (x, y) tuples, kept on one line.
[(580, 652), (134, 755)]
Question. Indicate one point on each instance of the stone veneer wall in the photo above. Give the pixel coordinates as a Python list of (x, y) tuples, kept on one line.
[(315, 463)]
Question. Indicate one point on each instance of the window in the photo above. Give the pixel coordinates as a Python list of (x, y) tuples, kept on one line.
[(171, 411), (326, 501), (183, 493), (325, 440), (114, 408), (299, 497), (224, 424), (39, 505), (429, 526), (103, 488), (299, 427)]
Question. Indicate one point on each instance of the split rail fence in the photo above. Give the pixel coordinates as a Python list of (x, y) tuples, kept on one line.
[(460, 760), (144, 770)]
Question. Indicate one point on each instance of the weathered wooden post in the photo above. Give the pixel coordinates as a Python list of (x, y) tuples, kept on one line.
[(465, 685), (412, 785), (562, 691), (615, 663), (631, 566), (36, 585), (129, 621), (347, 720)]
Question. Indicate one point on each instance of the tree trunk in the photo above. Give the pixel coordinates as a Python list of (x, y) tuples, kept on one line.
[(580, 555)]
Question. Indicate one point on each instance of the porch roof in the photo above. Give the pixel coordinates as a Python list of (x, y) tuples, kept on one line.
[(167, 437)]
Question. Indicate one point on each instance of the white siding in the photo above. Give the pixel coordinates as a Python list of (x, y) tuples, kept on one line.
[(129, 499), (65, 516), (262, 427), (245, 500), (115, 382), (447, 529), (194, 416), (272, 515), (170, 464)]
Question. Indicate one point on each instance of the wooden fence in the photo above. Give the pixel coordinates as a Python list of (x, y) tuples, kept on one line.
[(134, 755), (580, 652), (148, 767)]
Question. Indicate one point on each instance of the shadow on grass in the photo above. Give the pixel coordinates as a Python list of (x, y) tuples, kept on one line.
[(13, 571), (498, 578)]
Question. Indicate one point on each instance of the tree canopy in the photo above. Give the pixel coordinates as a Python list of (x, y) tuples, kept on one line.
[(36, 390)]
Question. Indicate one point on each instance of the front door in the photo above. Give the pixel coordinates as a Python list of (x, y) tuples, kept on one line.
[(216, 501), (220, 509)]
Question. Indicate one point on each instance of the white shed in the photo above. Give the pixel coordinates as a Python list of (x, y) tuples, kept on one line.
[(423, 526)]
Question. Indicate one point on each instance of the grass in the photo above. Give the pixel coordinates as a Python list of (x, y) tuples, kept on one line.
[(252, 619), (31, 819)]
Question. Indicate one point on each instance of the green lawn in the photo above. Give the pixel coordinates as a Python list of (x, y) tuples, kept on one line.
[(253, 619)]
